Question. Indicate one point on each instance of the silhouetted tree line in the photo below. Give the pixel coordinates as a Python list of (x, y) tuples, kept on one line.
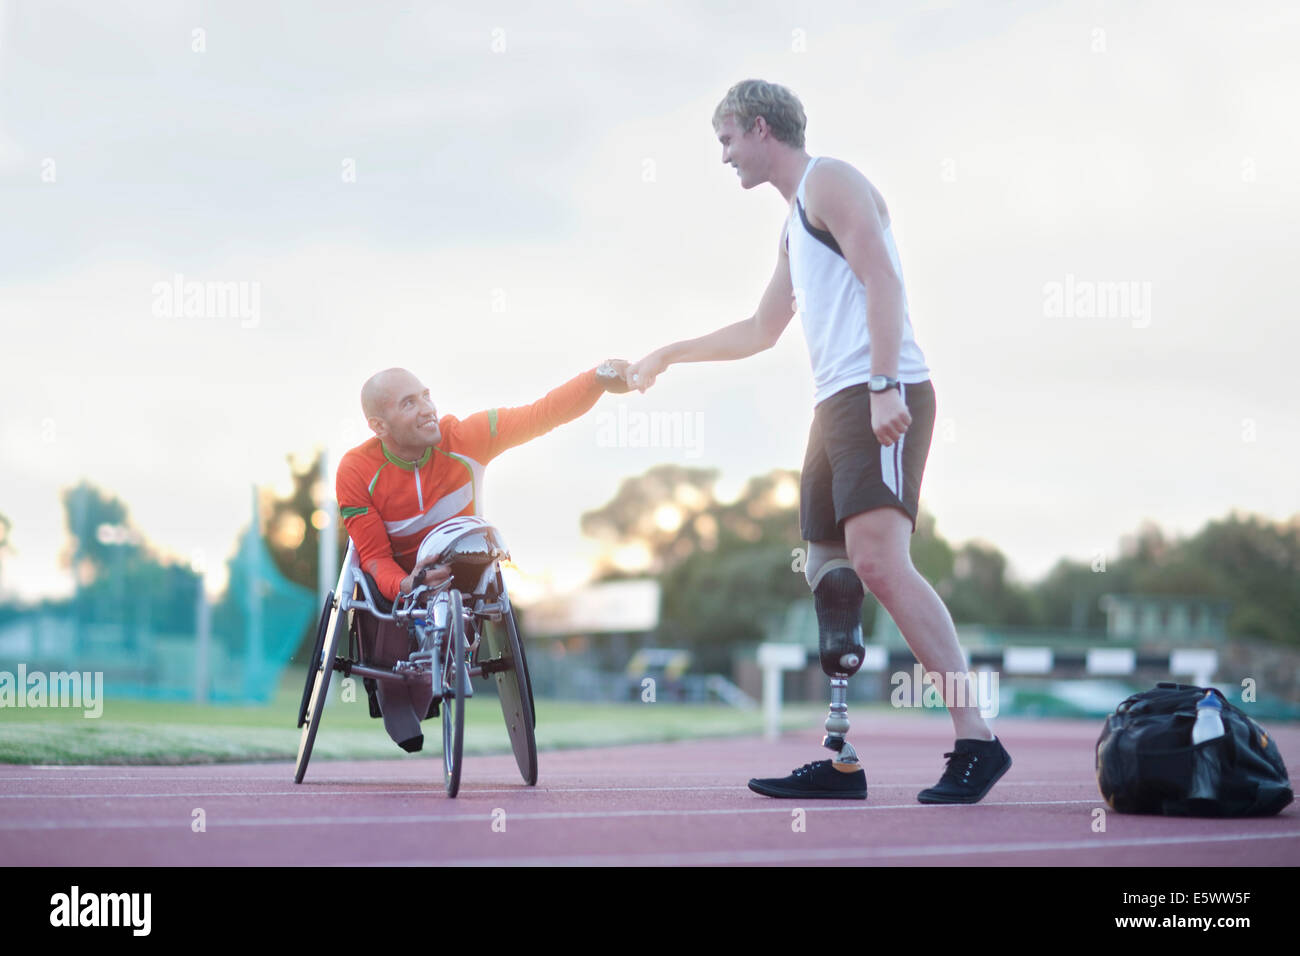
[(727, 567)]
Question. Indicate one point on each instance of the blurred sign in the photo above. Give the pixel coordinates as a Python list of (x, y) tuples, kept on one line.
[(616, 607), (782, 656)]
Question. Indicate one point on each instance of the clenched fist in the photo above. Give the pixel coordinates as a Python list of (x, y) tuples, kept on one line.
[(612, 374), (889, 416)]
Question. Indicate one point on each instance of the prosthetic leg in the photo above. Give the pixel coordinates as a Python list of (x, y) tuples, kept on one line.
[(837, 594)]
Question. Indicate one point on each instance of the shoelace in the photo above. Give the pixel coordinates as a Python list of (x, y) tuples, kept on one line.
[(960, 764), (800, 771)]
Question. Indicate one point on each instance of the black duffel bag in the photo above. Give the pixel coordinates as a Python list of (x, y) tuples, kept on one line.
[(1147, 763)]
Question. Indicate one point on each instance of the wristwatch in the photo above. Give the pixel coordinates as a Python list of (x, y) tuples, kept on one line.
[(611, 379), (881, 383)]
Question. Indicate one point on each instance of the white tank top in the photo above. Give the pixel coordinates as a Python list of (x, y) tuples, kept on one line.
[(833, 307)]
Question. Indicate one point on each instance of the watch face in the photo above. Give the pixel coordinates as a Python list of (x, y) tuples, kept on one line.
[(877, 383)]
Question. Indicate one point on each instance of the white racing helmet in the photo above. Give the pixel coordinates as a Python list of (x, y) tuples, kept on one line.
[(467, 538)]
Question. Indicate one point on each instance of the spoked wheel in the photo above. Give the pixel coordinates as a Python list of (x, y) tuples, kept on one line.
[(453, 693), (318, 680), (514, 687)]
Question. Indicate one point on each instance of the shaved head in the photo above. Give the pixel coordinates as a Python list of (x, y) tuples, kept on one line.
[(384, 388), (400, 411)]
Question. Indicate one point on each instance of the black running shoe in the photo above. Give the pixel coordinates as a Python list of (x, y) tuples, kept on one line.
[(815, 781), (974, 766)]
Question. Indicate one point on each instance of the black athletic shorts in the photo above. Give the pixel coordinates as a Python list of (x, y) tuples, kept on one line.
[(846, 470)]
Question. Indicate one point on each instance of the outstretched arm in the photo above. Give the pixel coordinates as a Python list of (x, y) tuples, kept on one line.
[(737, 341), (491, 432)]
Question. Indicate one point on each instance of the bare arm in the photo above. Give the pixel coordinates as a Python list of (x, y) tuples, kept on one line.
[(841, 197), (736, 341)]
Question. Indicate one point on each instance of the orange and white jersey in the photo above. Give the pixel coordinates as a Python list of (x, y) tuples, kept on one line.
[(388, 505)]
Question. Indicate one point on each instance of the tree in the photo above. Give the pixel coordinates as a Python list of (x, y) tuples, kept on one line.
[(1245, 559), (100, 531), (931, 555), (292, 526), (292, 523), (1255, 564), (654, 521), (121, 578), (725, 568), (1070, 595), (980, 592)]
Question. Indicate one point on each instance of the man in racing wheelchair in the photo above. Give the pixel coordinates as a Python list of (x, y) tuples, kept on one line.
[(417, 472)]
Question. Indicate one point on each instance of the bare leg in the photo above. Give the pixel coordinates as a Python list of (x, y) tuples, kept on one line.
[(878, 543)]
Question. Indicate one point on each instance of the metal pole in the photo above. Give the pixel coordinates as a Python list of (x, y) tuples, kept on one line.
[(772, 702), (327, 551), (203, 629), (253, 587)]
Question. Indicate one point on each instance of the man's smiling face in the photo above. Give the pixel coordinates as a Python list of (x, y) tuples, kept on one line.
[(413, 419), (401, 412), (743, 150)]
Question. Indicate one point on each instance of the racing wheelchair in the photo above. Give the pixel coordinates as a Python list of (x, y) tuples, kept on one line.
[(460, 628)]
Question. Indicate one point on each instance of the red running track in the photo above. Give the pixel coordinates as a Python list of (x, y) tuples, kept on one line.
[(660, 804)]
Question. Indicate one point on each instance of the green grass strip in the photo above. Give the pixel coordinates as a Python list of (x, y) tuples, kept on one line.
[(162, 732)]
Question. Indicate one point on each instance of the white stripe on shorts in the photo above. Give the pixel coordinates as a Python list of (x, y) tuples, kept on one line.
[(891, 459)]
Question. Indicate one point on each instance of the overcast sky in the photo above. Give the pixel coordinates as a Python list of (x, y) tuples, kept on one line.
[(500, 198)]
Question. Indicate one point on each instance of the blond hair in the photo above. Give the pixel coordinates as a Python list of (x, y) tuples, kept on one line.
[(750, 99)]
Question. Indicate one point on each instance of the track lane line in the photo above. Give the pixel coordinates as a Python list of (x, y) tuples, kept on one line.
[(710, 858), (438, 788), (480, 817)]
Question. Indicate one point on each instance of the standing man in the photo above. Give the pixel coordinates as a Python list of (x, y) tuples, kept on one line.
[(870, 437)]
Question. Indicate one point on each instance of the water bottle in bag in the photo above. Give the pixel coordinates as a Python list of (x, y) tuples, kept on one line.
[(1208, 726), (1209, 719)]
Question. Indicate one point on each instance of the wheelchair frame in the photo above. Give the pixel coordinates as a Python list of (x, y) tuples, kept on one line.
[(450, 632)]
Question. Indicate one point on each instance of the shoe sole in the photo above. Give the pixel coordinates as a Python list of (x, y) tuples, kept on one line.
[(972, 799), (784, 794)]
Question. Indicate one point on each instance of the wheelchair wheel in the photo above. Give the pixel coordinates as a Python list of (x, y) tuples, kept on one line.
[(523, 666), (453, 694), (515, 690), (322, 666), (514, 626), (313, 662)]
